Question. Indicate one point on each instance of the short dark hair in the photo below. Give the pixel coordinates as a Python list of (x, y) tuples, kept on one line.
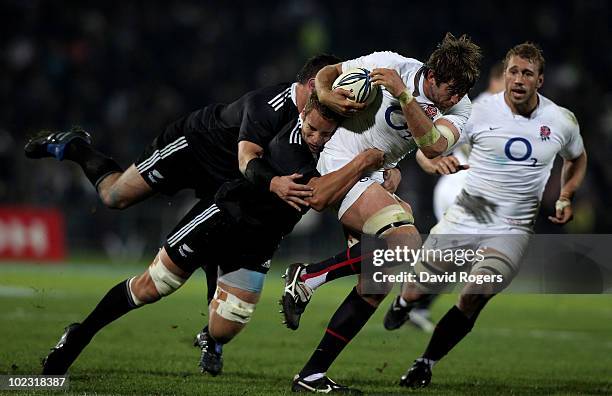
[(313, 65), (456, 61), (497, 70), (327, 113), (527, 50)]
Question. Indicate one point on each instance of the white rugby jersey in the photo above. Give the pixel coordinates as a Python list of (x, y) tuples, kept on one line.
[(512, 155), (382, 125)]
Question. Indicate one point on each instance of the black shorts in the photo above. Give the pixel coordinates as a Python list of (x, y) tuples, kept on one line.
[(208, 235), (168, 164)]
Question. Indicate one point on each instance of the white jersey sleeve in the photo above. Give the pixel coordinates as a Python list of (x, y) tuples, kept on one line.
[(573, 146)]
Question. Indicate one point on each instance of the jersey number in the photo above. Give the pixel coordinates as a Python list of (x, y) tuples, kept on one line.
[(528, 150)]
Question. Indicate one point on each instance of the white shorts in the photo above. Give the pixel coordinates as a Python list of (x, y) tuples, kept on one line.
[(328, 163), (446, 191), (466, 233)]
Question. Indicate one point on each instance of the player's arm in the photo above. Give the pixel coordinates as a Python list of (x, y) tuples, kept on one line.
[(433, 138), (441, 165), (338, 99), (572, 175), (259, 172), (393, 178), (330, 188)]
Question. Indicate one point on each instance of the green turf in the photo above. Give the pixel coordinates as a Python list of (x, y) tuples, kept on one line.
[(522, 344)]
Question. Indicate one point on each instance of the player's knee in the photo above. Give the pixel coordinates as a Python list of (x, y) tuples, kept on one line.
[(164, 281), (112, 198), (142, 290), (232, 308)]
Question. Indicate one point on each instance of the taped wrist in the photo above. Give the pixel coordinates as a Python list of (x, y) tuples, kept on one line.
[(405, 97), (259, 172), (562, 203)]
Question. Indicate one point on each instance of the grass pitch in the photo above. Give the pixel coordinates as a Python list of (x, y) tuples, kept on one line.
[(522, 344)]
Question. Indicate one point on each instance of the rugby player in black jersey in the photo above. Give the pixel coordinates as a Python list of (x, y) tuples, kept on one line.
[(243, 210), (199, 152)]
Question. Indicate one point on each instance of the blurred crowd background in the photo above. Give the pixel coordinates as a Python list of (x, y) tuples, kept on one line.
[(123, 70)]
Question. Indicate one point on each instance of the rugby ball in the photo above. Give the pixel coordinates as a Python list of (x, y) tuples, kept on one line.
[(358, 82)]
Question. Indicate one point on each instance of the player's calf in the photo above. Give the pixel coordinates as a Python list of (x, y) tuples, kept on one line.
[(122, 190)]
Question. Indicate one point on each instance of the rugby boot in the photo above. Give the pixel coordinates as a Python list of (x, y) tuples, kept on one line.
[(211, 357), (296, 296), (53, 144), (321, 385)]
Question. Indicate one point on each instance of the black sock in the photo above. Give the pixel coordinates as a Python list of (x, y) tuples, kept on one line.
[(211, 272), (116, 303), (345, 263), (95, 164), (448, 332), (347, 321), (425, 301)]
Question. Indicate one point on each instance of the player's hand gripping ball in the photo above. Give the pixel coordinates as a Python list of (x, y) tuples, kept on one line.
[(357, 81)]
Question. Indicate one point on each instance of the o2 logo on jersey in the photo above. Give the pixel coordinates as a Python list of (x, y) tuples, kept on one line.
[(514, 154), (395, 118)]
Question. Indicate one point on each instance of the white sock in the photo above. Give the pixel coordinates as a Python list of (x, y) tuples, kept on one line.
[(314, 377), (403, 303), (315, 281)]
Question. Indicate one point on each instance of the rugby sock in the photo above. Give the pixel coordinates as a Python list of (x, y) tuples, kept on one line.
[(448, 332), (345, 263), (211, 271), (95, 164), (116, 303), (425, 301), (347, 321)]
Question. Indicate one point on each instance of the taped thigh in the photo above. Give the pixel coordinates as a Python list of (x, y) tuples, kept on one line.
[(233, 308), (165, 281), (386, 219)]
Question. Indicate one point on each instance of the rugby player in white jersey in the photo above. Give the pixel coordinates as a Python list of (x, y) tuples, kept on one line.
[(445, 192), (515, 136), (421, 106)]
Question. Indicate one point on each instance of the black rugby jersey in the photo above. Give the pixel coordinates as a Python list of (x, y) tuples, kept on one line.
[(255, 206), (213, 132)]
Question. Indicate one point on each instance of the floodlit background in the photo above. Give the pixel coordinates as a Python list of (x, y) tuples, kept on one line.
[(123, 70)]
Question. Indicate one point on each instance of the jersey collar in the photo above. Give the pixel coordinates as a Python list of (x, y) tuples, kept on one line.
[(418, 92), (294, 93), (536, 112)]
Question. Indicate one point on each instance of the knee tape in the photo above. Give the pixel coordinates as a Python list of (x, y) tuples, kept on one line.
[(498, 265), (381, 222), (233, 308), (165, 281)]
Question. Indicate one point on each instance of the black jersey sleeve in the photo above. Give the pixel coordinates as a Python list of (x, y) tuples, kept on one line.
[(288, 154), (261, 121)]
